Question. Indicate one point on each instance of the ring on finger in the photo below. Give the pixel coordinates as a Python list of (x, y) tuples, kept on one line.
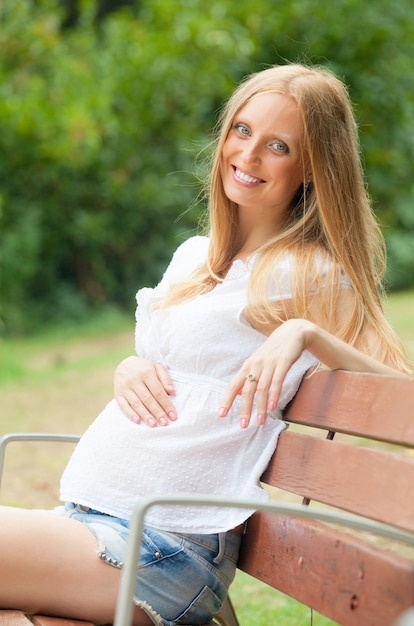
[(251, 378)]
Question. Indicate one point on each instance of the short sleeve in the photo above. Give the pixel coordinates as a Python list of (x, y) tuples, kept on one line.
[(188, 256), (281, 283)]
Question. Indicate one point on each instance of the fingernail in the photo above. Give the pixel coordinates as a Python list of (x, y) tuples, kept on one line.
[(163, 421), (151, 422), (222, 411), (260, 420), (272, 405), (172, 415), (243, 422)]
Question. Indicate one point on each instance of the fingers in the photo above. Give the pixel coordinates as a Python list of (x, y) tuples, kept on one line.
[(142, 390), (259, 384), (260, 379), (251, 389), (259, 389), (143, 406), (127, 409), (151, 404)]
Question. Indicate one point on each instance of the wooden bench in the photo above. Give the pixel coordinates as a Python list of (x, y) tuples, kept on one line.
[(349, 447), (350, 579)]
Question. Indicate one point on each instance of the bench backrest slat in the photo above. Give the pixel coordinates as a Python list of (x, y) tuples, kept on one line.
[(352, 478), (323, 567), (377, 407)]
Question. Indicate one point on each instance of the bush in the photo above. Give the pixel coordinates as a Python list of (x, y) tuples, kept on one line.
[(103, 114)]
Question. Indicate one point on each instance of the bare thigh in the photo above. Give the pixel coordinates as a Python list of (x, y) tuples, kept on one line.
[(50, 565)]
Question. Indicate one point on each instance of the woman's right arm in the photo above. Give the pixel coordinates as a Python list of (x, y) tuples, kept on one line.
[(142, 389)]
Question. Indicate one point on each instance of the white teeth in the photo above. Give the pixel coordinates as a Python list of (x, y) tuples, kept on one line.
[(246, 178)]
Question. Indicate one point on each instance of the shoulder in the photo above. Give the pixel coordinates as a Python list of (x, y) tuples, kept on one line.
[(313, 271), (188, 256), (326, 267), (193, 252), (193, 248)]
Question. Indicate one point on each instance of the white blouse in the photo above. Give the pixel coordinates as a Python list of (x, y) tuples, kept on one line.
[(203, 342)]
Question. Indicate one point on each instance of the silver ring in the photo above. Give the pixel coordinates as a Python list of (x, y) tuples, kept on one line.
[(251, 377)]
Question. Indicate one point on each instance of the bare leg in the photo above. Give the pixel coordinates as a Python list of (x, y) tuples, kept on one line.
[(49, 565)]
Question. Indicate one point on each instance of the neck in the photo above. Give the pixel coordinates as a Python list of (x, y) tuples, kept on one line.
[(254, 232)]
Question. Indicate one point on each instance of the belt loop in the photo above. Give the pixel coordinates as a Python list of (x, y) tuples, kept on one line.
[(222, 545)]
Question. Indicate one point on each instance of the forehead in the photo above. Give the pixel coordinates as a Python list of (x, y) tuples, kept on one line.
[(272, 112)]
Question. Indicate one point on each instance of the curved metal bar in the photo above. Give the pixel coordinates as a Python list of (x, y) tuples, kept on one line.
[(124, 609), (9, 437)]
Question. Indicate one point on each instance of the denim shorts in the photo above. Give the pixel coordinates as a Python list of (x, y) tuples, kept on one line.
[(182, 578)]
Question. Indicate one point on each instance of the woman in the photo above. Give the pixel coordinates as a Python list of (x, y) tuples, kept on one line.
[(287, 280)]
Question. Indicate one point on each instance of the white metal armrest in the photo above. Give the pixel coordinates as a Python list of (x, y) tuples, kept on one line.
[(9, 437), (124, 609)]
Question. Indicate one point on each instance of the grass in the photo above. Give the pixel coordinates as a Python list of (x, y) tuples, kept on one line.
[(257, 604), (44, 354), (60, 380), (399, 309)]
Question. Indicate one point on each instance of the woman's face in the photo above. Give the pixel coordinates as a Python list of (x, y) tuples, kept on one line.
[(262, 163)]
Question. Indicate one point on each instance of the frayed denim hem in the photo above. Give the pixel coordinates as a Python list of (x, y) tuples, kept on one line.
[(157, 619)]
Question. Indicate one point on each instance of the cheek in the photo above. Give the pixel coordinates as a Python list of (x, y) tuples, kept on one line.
[(224, 153), (226, 157), (229, 147), (291, 174)]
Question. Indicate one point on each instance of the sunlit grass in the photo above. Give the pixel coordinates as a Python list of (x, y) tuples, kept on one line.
[(44, 354)]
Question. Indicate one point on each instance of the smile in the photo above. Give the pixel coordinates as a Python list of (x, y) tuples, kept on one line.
[(246, 178)]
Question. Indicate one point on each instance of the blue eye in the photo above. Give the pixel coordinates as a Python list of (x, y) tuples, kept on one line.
[(279, 146), (242, 129)]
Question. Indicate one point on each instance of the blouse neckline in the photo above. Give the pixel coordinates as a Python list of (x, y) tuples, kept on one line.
[(240, 268)]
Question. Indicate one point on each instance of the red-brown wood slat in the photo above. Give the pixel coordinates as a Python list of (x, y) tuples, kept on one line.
[(337, 574), (380, 407), (355, 479)]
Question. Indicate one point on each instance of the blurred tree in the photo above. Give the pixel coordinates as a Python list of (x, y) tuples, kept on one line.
[(101, 127)]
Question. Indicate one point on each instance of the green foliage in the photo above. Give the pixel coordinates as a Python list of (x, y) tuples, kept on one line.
[(101, 122)]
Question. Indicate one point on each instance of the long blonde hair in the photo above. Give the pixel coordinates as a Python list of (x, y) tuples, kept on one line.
[(330, 218)]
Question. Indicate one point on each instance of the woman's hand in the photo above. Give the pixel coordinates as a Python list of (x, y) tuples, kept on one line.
[(142, 389), (268, 366), (270, 363)]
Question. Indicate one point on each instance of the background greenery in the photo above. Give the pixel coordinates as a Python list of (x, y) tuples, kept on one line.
[(104, 106)]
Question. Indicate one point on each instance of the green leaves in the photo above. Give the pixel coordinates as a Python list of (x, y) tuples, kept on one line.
[(103, 115)]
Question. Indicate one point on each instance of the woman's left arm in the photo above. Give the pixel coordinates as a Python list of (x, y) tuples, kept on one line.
[(270, 363)]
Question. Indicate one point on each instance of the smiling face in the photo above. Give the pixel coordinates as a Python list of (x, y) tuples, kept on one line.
[(262, 164)]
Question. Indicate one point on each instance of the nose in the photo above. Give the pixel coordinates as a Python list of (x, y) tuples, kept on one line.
[(251, 153)]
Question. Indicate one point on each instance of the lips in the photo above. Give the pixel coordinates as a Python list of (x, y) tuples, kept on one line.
[(246, 178)]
